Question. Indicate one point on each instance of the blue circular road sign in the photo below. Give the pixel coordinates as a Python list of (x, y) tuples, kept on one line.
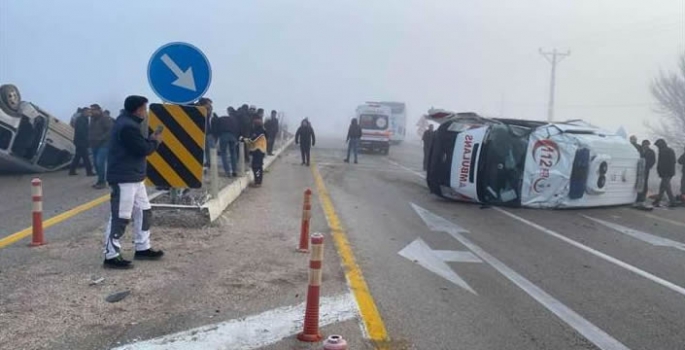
[(179, 73)]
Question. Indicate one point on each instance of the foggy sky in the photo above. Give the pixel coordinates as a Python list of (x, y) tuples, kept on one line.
[(319, 59)]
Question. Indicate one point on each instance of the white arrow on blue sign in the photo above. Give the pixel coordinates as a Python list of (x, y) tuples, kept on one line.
[(179, 73)]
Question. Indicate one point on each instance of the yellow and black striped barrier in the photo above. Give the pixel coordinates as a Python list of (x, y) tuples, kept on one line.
[(178, 161)]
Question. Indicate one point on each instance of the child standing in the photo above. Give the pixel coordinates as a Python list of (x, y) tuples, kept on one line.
[(257, 147)]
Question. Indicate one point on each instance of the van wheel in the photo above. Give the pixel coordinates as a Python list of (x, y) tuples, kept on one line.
[(10, 99)]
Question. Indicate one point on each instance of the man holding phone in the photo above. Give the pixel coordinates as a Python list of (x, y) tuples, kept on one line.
[(126, 174)]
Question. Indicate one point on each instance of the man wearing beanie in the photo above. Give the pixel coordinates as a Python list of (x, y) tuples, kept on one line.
[(126, 171)]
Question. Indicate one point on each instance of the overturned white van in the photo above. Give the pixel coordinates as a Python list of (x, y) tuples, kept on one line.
[(530, 163), (31, 140)]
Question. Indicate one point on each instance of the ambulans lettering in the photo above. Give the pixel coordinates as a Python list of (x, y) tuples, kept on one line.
[(466, 161)]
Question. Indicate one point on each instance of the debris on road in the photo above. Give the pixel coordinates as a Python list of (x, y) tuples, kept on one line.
[(95, 280), (117, 297)]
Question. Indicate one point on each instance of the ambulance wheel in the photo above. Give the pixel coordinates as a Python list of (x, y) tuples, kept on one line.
[(10, 99)]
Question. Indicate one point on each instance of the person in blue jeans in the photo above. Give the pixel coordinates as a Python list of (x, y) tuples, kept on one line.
[(228, 128), (354, 134), (99, 132)]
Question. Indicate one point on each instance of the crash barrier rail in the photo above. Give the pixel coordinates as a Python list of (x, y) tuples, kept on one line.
[(311, 332), (335, 342), (37, 224), (306, 216)]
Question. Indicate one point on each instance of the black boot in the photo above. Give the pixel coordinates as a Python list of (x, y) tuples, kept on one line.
[(117, 263), (149, 254)]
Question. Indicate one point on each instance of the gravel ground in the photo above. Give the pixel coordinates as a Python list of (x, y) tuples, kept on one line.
[(243, 264)]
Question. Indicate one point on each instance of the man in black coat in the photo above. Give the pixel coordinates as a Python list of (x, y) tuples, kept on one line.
[(126, 172), (81, 126), (271, 127), (681, 161), (665, 167), (306, 139), (650, 159)]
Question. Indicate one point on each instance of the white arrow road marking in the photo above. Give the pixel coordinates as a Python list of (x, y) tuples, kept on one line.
[(643, 236), (434, 261), (588, 330), (670, 285), (251, 332), (185, 79)]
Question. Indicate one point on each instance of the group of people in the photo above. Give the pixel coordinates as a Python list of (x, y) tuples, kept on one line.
[(665, 167), (92, 129), (245, 124)]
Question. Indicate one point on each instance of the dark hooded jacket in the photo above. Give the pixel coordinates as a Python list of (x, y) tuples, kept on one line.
[(665, 167), (81, 131), (128, 151), (355, 131), (305, 136)]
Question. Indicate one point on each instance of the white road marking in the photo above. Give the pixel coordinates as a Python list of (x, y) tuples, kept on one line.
[(674, 287), (588, 330), (407, 169), (672, 222), (419, 252), (252, 332), (643, 236)]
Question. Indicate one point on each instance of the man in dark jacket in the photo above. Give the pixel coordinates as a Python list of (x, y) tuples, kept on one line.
[(306, 139), (427, 141), (98, 137), (228, 128), (271, 127), (665, 167), (126, 172), (681, 161), (354, 135), (81, 143), (650, 159)]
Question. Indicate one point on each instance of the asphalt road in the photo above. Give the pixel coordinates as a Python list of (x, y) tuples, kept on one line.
[(526, 279)]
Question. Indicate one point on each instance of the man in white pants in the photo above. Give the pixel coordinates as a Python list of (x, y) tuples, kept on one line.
[(126, 171)]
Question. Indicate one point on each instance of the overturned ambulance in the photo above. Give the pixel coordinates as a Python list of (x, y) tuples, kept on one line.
[(530, 163), (31, 140)]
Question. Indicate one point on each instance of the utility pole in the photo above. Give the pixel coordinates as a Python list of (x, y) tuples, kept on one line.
[(554, 58)]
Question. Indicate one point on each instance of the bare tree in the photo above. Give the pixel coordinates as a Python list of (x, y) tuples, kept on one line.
[(669, 91)]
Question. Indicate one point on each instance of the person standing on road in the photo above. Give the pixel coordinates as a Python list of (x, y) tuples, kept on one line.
[(98, 136), (229, 131), (257, 145), (681, 161), (72, 121), (427, 141), (306, 139), (354, 135), (81, 126), (650, 159), (666, 169), (271, 127), (127, 170)]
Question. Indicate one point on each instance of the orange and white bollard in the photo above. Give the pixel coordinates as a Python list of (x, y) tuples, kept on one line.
[(306, 216), (335, 342), (37, 197), (311, 315)]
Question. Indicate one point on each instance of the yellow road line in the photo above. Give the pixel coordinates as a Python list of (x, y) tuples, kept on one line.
[(13, 238), (367, 306)]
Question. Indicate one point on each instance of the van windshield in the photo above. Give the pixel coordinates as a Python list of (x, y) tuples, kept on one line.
[(373, 121), (501, 164)]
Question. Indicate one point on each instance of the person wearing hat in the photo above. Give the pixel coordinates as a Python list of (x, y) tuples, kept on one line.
[(665, 167), (257, 146), (127, 169)]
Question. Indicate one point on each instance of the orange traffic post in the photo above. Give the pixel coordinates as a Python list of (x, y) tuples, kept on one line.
[(37, 198), (311, 315), (306, 216)]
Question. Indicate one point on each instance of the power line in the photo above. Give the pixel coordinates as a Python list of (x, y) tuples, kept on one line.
[(554, 58)]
